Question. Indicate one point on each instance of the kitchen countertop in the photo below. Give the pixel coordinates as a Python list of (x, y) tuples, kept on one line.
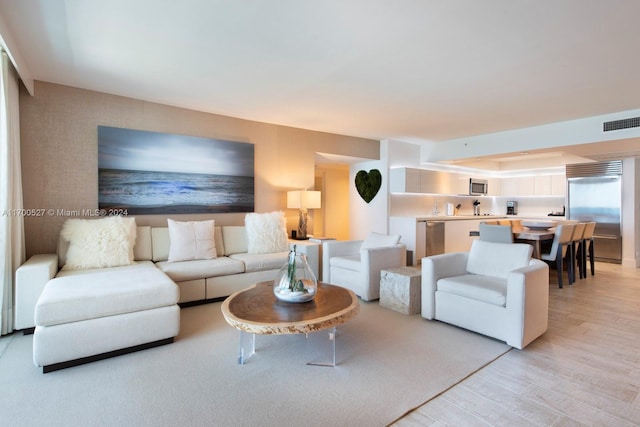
[(484, 217), (458, 217)]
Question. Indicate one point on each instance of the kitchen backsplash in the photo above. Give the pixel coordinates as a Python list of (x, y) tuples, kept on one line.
[(421, 205)]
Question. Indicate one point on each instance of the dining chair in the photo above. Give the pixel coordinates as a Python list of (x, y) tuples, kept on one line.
[(576, 239), (496, 233), (516, 224), (559, 251), (586, 248)]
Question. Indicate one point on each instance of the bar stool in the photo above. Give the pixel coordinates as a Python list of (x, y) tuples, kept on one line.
[(560, 250), (586, 247), (578, 232)]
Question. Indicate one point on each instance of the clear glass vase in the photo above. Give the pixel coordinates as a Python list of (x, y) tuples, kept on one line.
[(295, 281)]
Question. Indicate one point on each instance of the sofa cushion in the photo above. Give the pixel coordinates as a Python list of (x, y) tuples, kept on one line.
[(142, 249), (266, 232), (481, 288), (261, 262), (377, 240), (95, 243), (199, 269), (347, 262), (235, 239), (497, 259), (191, 240), (104, 292)]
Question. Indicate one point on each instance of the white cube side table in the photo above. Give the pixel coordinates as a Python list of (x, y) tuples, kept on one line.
[(400, 289)]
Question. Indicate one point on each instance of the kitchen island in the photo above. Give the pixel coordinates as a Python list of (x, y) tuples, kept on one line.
[(417, 233)]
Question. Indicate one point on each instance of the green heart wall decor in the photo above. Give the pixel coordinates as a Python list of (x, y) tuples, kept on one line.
[(368, 184)]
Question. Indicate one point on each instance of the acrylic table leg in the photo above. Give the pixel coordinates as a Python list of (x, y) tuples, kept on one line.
[(247, 347), (321, 347)]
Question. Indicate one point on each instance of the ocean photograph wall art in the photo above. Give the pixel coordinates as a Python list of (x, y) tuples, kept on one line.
[(144, 172)]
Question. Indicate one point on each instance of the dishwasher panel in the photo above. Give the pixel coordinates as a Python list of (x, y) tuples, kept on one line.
[(435, 238)]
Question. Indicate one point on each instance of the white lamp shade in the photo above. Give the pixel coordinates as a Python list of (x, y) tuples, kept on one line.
[(303, 199)]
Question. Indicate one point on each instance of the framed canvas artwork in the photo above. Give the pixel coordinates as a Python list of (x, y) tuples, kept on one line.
[(144, 172)]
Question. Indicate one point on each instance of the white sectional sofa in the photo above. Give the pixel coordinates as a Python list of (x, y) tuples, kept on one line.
[(87, 314)]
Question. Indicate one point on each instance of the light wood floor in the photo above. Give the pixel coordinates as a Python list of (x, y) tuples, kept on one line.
[(585, 370)]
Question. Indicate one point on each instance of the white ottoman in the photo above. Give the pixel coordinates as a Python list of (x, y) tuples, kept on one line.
[(400, 289)]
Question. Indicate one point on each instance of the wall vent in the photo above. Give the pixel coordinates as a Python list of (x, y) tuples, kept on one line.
[(633, 122), (613, 167)]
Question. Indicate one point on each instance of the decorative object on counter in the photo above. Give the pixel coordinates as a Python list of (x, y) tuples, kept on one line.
[(476, 207), (435, 210), (539, 225), (368, 184), (558, 213), (303, 200), (457, 209), (295, 281), (450, 210)]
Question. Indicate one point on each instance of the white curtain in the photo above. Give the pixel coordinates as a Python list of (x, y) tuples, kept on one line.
[(12, 253)]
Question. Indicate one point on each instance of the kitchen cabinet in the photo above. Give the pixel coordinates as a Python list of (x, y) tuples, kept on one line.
[(495, 186), (558, 185), (535, 185), (526, 185), (510, 187), (542, 185), (456, 234), (435, 182)]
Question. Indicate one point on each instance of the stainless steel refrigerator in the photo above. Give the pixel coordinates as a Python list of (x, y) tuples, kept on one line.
[(594, 193)]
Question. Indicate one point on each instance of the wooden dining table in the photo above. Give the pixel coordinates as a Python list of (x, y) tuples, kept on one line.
[(533, 237)]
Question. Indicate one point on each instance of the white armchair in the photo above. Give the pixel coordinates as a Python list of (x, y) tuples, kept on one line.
[(356, 264), (495, 289)]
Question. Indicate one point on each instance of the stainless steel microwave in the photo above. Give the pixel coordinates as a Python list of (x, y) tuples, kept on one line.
[(478, 187)]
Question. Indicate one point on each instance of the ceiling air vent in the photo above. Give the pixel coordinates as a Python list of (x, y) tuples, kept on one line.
[(621, 124)]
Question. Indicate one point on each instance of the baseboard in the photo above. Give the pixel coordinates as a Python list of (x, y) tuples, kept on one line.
[(200, 302), (81, 361)]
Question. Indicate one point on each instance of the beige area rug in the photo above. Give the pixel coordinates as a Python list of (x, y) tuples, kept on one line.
[(388, 364)]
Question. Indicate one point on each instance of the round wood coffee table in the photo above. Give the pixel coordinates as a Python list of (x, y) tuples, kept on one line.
[(256, 310)]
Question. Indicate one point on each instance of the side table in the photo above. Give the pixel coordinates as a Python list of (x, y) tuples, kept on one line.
[(400, 289)]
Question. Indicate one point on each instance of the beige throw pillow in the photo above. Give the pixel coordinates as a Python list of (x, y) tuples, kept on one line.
[(191, 240), (99, 243)]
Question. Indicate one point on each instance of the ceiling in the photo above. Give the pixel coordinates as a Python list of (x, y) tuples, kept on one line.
[(409, 70)]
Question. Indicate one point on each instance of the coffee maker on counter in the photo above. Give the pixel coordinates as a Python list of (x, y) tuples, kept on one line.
[(512, 208)]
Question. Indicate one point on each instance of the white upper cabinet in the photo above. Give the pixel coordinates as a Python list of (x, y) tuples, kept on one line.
[(538, 185), (558, 185), (415, 180)]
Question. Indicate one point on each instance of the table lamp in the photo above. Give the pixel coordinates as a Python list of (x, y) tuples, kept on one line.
[(303, 200)]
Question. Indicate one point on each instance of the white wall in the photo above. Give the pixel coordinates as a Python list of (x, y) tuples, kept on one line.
[(373, 216)]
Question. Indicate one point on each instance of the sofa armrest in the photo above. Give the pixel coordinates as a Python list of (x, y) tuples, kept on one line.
[(335, 248), (31, 278), (527, 303), (435, 268), (375, 259)]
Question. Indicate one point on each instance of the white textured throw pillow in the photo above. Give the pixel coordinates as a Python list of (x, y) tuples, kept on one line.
[(191, 240), (99, 243), (266, 232)]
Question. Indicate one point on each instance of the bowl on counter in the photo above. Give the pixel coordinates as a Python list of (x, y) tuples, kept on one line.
[(539, 225)]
